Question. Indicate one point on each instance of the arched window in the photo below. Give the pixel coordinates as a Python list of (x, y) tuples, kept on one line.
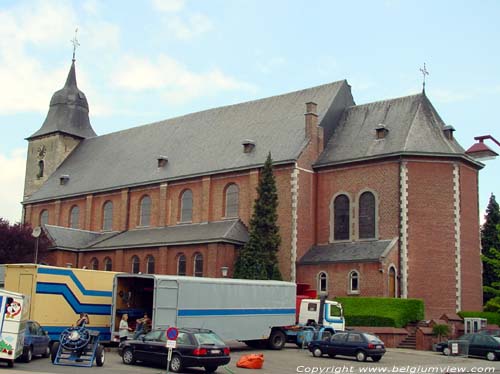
[(94, 264), (367, 216), (145, 211), (341, 218), (135, 264), (198, 265), (108, 264), (150, 265), (74, 217), (107, 216), (232, 201), (44, 217), (322, 282), (354, 282), (187, 206), (41, 167), (181, 265), (392, 282)]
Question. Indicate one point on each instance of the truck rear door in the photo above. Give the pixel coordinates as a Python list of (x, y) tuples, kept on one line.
[(165, 303)]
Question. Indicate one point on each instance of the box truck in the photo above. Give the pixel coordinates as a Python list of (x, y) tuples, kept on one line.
[(251, 311), (13, 316), (59, 295)]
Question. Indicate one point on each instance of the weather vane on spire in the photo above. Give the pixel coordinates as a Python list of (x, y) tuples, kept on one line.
[(424, 73), (75, 43)]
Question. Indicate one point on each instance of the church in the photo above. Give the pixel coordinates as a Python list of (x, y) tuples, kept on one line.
[(376, 199)]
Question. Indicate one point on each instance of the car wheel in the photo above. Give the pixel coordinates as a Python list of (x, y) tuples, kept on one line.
[(176, 364), (376, 358), (100, 356), (360, 356), (446, 351), (53, 351), (491, 356), (277, 340), (211, 368), (317, 352), (46, 353), (27, 354), (128, 356)]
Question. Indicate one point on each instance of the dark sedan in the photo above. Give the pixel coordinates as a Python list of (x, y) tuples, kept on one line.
[(352, 343), (36, 342), (195, 348), (479, 344)]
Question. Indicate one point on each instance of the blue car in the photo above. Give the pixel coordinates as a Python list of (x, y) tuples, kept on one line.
[(36, 342)]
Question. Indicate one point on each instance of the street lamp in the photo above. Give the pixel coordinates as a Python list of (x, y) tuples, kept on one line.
[(36, 234), (481, 151), (224, 270)]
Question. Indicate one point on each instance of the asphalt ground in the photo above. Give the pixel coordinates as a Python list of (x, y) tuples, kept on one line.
[(289, 361)]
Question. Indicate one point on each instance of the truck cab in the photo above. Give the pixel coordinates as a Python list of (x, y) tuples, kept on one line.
[(333, 314)]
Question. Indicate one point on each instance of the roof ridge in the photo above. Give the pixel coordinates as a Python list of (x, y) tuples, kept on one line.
[(383, 102)]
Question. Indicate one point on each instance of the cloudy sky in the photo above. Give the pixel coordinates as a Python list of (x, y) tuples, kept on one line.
[(143, 61)]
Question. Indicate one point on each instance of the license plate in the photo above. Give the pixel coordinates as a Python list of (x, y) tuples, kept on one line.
[(379, 347), (216, 351)]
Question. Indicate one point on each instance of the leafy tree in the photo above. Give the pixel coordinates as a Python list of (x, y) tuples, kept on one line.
[(441, 331), (258, 258), (493, 304), (17, 245), (490, 239)]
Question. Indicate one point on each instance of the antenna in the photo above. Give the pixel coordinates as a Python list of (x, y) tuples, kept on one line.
[(75, 43), (424, 73)]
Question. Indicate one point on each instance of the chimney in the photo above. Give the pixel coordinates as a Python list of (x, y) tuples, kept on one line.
[(63, 179), (311, 119), (448, 132)]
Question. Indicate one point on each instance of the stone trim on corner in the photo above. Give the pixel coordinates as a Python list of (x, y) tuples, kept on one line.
[(403, 182), (458, 255), (294, 183)]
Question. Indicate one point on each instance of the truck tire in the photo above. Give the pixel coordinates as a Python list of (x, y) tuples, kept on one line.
[(100, 356), (53, 351), (277, 340)]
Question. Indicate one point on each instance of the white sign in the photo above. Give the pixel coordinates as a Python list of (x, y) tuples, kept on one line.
[(454, 348), (171, 343)]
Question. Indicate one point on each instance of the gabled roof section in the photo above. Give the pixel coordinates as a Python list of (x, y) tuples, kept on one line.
[(73, 239), (364, 251), (68, 111), (411, 123), (201, 143)]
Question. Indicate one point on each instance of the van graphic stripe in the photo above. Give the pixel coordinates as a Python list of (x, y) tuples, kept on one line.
[(69, 273), (232, 312), (55, 331), (64, 291)]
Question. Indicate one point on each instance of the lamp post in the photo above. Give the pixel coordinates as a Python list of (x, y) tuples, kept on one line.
[(223, 271), (481, 151), (36, 234)]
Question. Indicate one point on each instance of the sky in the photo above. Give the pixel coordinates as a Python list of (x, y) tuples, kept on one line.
[(143, 61)]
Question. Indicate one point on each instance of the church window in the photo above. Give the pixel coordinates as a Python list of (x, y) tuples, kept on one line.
[(41, 167), (74, 217), (135, 264), (145, 212), (44, 217), (187, 206), (198, 265), (181, 265), (108, 264), (107, 216), (232, 201), (341, 218), (150, 265), (322, 282), (367, 216), (392, 282), (354, 282), (94, 264)]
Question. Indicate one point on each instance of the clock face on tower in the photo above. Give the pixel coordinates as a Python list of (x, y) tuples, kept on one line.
[(41, 151)]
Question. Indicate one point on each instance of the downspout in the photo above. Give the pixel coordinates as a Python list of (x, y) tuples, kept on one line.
[(295, 198), (403, 256)]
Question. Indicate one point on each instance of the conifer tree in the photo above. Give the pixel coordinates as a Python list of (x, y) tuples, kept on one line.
[(258, 258), (493, 261), (490, 239)]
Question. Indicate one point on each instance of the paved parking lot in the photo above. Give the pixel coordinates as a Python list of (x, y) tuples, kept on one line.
[(292, 360)]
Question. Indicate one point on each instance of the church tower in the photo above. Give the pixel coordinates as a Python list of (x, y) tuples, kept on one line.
[(66, 125)]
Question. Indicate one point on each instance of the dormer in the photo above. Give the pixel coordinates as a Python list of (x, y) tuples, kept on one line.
[(162, 161), (448, 132), (248, 145), (381, 131)]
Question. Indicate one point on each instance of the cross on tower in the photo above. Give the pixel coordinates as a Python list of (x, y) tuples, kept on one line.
[(75, 43), (424, 73)]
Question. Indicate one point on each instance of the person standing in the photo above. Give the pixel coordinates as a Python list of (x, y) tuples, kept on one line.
[(124, 329)]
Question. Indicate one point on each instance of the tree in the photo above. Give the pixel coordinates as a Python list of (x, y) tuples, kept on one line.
[(17, 245), (441, 330), (490, 239), (258, 258), (493, 304)]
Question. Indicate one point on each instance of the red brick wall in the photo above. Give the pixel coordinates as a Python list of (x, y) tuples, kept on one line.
[(470, 240), (431, 236)]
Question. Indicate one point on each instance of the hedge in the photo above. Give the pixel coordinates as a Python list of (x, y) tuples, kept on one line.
[(493, 318), (381, 311)]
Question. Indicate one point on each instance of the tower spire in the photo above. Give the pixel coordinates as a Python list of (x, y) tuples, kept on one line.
[(75, 43)]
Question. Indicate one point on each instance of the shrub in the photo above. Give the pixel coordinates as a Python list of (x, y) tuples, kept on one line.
[(493, 318), (441, 330), (381, 311)]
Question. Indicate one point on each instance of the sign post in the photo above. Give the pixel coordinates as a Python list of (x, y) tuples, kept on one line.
[(171, 334)]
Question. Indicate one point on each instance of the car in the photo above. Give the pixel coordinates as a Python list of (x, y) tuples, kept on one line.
[(360, 345), (195, 348), (36, 342), (479, 344)]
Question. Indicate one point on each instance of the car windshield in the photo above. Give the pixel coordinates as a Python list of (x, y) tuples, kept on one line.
[(372, 338), (208, 338), (497, 339)]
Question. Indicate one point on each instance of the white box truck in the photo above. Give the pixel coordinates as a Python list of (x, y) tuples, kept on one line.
[(14, 309), (246, 310)]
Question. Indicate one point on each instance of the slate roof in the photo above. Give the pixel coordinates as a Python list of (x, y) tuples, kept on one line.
[(413, 127), (363, 251), (196, 144), (68, 111), (229, 231)]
